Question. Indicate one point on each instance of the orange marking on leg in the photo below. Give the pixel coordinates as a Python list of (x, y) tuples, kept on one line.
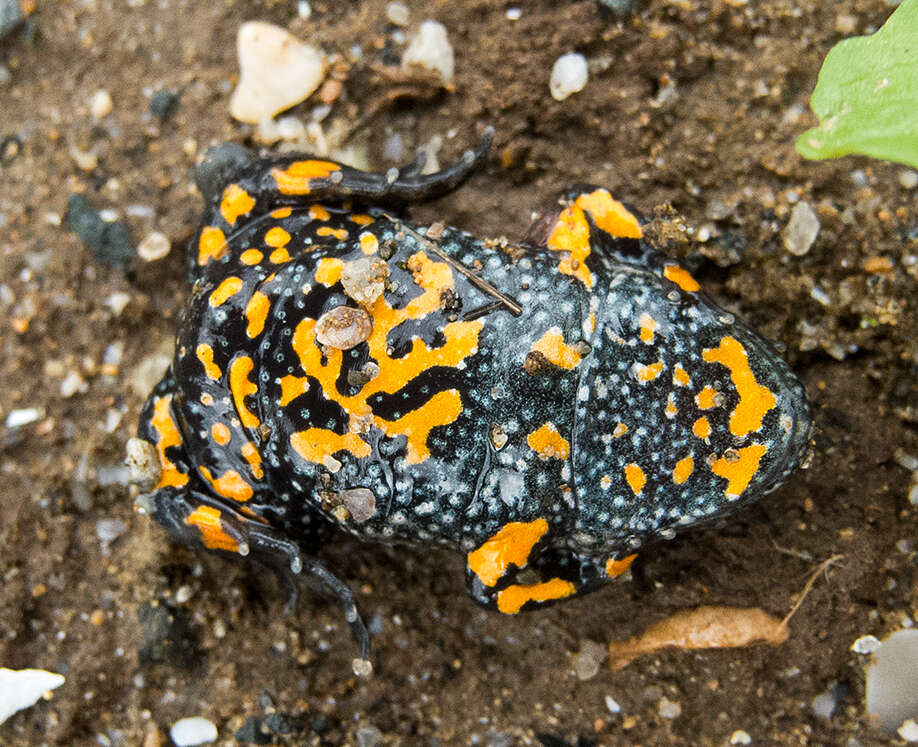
[(279, 256), (754, 399), (361, 219), (610, 215), (680, 376), (571, 235), (328, 271), (739, 468), (511, 600), (681, 277), (211, 244), (511, 545), (241, 387), (548, 443), (702, 428), (618, 567), (648, 372), (225, 291), (649, 325), (277, 237), (220, 433), (317, 212), (339, 233), (256, 312), (207, 521), (635, 478), (251, 455), (283, 212), (236, 202), (369, 244), (292, 387), (558, 352), (315, 444), (229, 485), (205, 354), (705, 398), (167, 435), (297, 177), (251, 257)]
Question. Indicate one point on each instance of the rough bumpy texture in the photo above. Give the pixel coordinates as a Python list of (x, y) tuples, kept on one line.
[(551, 406)]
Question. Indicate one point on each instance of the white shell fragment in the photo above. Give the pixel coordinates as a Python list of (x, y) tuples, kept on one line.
[(430, 48), (892, 681), (21, 688), (193, 730), (568, 75), (277, 71)]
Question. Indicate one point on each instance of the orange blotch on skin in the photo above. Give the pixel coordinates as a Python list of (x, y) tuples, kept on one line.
[(605, 482), (280, 255), (683, 470), (225, 291), (297, 177), (283, 212), (558, 352), (511, 545), (236, 202), (649, 372), (610, 215), (361, 219), (441, 409), (328, 271), (511, 600), (620, 430), (256, 313), (680, 376), (315, 444), (251, 455), (229, 485), (571, 235), (616, 568), (241, 387), (705, 398), (207, 521), (167, 436), (292, 387), (277, 237), (548, 443), (755, 400), (317, 212), (369, 244), (205, 354), (220, 433), (649, 325), (681, 277), (671, 409), (739, 471), (339, 233), (635, 478), (211, 244), (251, 257), (702, 428)]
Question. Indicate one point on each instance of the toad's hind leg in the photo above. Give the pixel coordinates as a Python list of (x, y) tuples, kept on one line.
[(199, 520)]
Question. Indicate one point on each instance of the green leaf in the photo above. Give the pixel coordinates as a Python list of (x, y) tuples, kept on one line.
[(866, 97)]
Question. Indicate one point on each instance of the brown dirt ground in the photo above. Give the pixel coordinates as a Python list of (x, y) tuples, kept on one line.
[(718, 146)]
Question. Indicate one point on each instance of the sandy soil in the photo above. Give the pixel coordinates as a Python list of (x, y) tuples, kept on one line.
[(695, 103)]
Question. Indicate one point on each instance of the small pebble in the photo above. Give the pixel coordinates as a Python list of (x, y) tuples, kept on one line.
[(117, 301), (514, 13), (430, 48), (892, 681), (568, 75), (824, 704), (101, 104), (588, 660), (110, 242), (193, 730), (164, 104), (801, 230), (277, 71), (368, 736), (669, 708), (108, 530), (740, 737), (289, 128), (612, 706), (398, 14), (866, 644), (155, 245), (24, 416), (394, 148), (10, 16), (908, 178), (21, 688), (909, 730), (86, 160), (303, 10)]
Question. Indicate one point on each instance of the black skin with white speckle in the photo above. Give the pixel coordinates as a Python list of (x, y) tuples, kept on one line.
[(548, 407)]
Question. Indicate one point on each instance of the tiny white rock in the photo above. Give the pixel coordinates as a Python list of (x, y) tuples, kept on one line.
[(866, 644), (155, 245), (277, 71), (193, 730), (430, 48), (398, 14), (568, 75), (24, 416), (909, 730), (101, 104), (740, 737), (801, 230), (21, 688)]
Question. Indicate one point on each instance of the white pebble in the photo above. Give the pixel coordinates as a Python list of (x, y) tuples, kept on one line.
[(612, 706), (21, 417), (568, 75), (117, 301), (269, 131), (514, 14), (101, 104), (72, 384), (86, 160), (398, 14), (824, 704), (430, 48), (892, 681), (588, 660), (866, 644), (277, 71), (21, 688), (909, 730), (669, 708), (303, 9), (908, 178), (740, 737), (193, 730), (801, 230), (155, 245)]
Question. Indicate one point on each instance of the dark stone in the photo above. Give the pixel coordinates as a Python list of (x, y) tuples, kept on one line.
[(165, 104), (110, 243), (220, 163)]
